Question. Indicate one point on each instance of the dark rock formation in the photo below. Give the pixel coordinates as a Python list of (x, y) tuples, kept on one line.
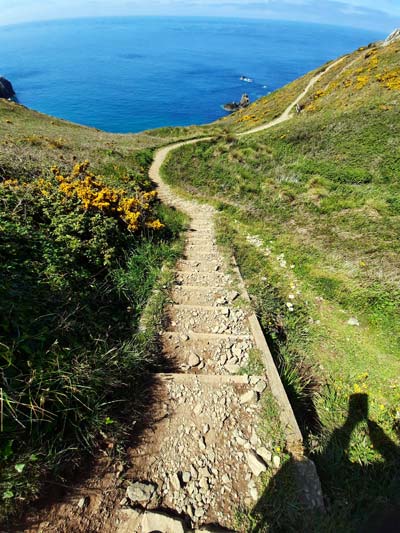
[(6, 89), (235, 106)]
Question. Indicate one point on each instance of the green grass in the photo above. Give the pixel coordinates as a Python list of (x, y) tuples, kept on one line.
[(310, 209)]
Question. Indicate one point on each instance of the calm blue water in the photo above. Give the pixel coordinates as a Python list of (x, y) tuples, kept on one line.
[(131, 74)]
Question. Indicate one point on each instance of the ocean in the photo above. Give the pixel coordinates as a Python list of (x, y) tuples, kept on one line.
[(135, 73)]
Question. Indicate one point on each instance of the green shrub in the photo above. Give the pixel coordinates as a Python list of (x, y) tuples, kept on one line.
[(76, 271)]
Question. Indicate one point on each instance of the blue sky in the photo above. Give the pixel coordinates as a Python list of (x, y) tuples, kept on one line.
[(379, 15)]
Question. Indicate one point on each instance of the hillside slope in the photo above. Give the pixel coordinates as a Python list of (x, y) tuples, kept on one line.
[(311, 209)]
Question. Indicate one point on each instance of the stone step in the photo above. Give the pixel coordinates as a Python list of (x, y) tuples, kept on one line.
[(202, 295), (200, 255), (206, 336), (214, 279), (206, 244), (191, 265), (198, 239), (202, 231), (190, 248), (216, 355), (210, 319), (203, 448)]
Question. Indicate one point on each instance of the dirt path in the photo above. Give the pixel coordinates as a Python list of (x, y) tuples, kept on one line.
[(199, 461)]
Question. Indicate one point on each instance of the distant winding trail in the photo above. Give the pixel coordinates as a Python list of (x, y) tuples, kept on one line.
[(287, 114), (162, 154)]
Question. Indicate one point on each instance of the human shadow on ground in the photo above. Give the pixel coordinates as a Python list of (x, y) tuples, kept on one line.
[(362, 498)]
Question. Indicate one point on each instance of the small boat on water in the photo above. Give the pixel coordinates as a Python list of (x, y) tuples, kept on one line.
[(246, 79)]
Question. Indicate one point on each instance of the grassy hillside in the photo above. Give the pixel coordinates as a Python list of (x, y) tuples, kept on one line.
[(82, 243), (312, 210)]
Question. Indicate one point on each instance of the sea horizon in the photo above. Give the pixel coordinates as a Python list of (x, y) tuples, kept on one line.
[(139, 73)]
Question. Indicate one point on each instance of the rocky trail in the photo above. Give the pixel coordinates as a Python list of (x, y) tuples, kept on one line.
[(200, 459)]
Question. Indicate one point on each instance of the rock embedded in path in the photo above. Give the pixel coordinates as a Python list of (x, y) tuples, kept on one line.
[(130, 521), (260, 386), (232, 368), (276, 461), (186, 476), (249, 397), (176, 484), (193, 360), (232, 295), (83, 502), (256, 464), (254, 493), (154, 521), (140, 492), (265, 454)]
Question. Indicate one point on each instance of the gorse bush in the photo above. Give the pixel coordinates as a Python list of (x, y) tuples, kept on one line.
[(94, 195), (78, 258)]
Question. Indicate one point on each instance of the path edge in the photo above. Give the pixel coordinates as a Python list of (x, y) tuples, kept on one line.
[(308, 482)]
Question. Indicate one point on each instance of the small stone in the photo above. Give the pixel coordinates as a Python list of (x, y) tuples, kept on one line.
[(199, 513), (193, 360), (233, 295), (240, 441), (185, 337), (83, 502), (254, 439), (256, 464), (248, 397), (236, 351), (260, 386), (353, 322), (202, 444), (176, 484), (276, 461), (206, 428), (140, 492), (186, 477), (204, 483), (198, 409), (204, 472), (264, 454), (226, 479), (254, 494), (232, 369)]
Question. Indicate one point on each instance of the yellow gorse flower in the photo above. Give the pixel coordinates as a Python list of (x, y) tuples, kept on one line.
[(391, 79), (94, 194)]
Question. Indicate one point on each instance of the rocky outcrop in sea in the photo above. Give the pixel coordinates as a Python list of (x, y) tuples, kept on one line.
[(6, 88)]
